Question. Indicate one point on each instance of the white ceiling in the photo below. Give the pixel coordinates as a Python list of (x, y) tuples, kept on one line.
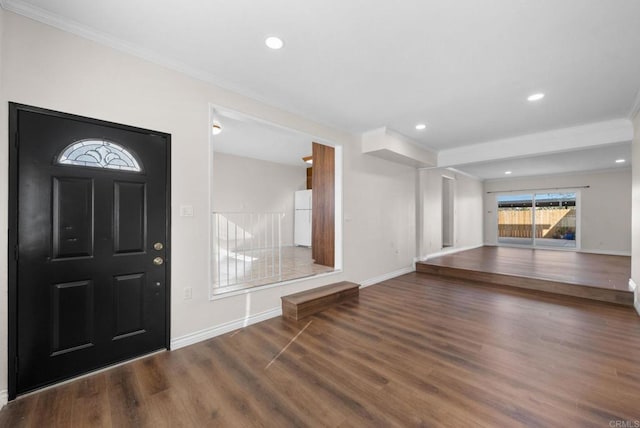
[(464, 67), (244, 136), (592, 159)]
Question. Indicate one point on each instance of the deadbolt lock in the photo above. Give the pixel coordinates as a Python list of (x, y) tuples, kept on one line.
[(158, 261), (158, 246)]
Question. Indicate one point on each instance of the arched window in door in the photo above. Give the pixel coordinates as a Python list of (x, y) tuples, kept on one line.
[(96, 153)]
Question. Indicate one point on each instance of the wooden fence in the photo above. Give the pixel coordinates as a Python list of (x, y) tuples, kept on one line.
[(551, 222)]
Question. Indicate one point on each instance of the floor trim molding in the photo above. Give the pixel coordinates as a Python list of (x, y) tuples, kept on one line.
[(217, 330), (4, 397), (386, 276), (450, 251), (636, 294), (607, 252)]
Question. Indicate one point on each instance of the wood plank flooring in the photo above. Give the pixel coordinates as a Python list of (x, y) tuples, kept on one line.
[(413, 351), (301, 305), (591, 276)]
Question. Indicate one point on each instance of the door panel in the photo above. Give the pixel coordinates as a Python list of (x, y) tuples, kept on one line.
[(86, 291), (72, 217), (515, 219), (129, 217), (128, 305), (555, 218), (71, 317)]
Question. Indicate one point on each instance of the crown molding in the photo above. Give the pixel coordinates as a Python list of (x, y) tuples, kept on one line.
[(46, 17), (54, 20)]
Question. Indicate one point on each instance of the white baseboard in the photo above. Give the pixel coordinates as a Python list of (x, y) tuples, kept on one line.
[(208, 333), (581, 250), (387, 276), (450, 251), (4, 397), (607, 252)]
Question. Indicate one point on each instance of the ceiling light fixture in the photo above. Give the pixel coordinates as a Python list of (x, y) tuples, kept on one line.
[(620, 161), (536, 97), (216, 128), (308, 159), (274, 42), (507, 172), (421, 126)]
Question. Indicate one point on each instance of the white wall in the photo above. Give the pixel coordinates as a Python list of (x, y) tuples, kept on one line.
[(448, 213), (3, 223), (635, 226), (242, 184), (379, 215), (605, 207), (467, 206), (49, 68)]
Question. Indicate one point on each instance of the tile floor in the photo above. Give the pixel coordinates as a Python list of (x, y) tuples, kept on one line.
[(242, 270)]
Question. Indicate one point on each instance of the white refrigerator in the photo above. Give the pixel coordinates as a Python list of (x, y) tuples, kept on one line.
[(302, 219)]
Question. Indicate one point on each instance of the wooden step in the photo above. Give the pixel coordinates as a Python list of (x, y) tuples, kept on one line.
[(299, 305), (620, 297)]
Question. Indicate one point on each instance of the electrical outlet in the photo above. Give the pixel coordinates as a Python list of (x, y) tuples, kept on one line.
[(187, 293)]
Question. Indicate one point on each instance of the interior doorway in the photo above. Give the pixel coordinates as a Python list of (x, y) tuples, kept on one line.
[(448, 211), (262, 231)]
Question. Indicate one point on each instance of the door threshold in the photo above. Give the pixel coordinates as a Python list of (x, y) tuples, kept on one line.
[(91, 373), (531, 247)]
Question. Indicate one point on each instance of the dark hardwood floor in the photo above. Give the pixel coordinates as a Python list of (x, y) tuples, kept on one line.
[(413, 351), (590, 270), (591, 276)]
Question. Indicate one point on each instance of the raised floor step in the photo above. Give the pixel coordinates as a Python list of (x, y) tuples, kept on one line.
[(620, 297), (299, 305)]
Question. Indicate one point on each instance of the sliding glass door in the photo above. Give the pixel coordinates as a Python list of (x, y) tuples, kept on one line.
[(538, 219), (515, 219), (555, 220)]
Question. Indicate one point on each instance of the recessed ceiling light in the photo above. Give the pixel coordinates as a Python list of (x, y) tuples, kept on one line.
[(421, 126), (507, 172), (536, 97), (274, 42), (620, 161)]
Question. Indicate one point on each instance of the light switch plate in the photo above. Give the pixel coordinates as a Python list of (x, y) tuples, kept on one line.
[(186, 210)]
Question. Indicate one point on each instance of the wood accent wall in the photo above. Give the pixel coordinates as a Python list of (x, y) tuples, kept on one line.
[(323, 217), (310, 178)]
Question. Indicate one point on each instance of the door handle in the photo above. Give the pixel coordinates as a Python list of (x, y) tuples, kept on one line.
[(158, 261)]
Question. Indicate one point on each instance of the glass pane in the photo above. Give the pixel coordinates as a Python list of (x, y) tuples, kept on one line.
[(556, 220), (99, 154), (515, 219)]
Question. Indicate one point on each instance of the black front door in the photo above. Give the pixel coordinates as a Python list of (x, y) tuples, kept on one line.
[(91, 226)]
